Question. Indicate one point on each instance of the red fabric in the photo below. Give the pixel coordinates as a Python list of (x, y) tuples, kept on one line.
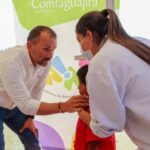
[(84, 135)]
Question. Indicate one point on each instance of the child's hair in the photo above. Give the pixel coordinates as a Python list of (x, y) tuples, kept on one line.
[(81, 73)]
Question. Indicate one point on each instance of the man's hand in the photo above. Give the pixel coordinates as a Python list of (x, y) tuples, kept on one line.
[(75, 103), (29, 124)]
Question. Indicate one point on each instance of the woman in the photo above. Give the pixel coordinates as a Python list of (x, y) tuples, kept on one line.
[(118, 78)]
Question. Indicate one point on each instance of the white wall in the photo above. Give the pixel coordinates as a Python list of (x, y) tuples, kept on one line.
[(7, 34), (134, 15)]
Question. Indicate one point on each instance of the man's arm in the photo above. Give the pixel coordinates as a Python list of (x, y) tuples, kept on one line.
[(71, 105), (17, 91), (11, 77)]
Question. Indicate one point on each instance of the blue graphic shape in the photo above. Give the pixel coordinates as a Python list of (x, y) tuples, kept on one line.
[(58, 65)]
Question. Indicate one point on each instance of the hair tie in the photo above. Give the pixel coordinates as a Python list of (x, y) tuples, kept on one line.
[(108, 16)]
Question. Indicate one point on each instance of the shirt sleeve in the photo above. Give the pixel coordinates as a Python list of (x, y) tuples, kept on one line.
[(90, 136), (105, 98), (12, 81)]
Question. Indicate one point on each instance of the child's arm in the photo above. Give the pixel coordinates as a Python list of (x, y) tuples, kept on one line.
[(93, 145), (85, 116)]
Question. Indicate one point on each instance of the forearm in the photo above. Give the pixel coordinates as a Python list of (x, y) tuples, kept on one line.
[(85, 116), (71, 105), (48, 108)]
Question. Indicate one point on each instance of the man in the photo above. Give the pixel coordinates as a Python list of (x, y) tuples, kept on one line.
[(23, 71)]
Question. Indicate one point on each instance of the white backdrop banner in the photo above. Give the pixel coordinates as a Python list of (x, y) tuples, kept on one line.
[(56, 131)]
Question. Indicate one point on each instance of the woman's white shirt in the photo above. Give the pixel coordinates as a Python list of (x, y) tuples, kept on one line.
[(118, 85)]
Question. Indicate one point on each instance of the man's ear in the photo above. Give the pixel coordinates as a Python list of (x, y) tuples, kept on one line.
[(29, 45)]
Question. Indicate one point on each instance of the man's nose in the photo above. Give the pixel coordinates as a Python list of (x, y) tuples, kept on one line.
[(50, 54)]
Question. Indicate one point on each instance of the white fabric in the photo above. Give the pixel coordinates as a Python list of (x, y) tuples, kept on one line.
[(118, 84), (21, 84)]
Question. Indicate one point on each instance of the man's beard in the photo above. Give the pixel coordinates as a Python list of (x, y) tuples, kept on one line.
[(43, 62)]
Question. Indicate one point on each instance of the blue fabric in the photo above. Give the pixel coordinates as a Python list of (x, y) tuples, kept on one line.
[(15, 119)]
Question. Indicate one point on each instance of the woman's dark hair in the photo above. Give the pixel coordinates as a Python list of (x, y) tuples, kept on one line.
[(106, 23), (35, 33), (81, 73)]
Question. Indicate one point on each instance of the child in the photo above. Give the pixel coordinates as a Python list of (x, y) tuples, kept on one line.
[(84, 138)]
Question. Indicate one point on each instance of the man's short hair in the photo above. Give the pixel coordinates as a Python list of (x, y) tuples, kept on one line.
[(34, 34)]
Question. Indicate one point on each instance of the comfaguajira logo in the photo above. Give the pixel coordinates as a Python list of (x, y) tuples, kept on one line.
[(66, 5)]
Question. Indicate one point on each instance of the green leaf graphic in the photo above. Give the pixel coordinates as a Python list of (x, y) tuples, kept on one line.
[(52, 12)]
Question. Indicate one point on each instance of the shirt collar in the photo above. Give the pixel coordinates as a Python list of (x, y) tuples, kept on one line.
[(27, 56)]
